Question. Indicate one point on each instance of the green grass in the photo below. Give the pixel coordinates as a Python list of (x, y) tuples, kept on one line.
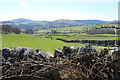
[(23, 40), (83, 36), (48, 42), (64, 29)]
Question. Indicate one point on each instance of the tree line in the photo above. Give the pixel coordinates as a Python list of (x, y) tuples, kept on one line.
[(8, 29)]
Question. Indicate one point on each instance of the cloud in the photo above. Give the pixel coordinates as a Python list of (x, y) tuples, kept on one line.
[(25, 6), (55, 15)]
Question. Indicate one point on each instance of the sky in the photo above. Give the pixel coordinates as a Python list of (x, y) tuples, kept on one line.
[(50, 10)]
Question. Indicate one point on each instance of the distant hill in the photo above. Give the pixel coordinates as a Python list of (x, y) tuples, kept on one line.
[(16, 20), (21, 20), (64, 23), (92, 21), (6, 22), (115, 22), (26, 23)]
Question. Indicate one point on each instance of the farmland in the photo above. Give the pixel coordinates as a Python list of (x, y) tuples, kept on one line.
[(59, 40), (45, 39), (83, 36), (48, 42), (45, 50), (77, 33), (23, 40)]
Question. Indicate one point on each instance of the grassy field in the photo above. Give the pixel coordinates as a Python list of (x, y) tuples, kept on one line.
[(64, 29), (76, 36), (23, 40), (48, 42), (83, 36)]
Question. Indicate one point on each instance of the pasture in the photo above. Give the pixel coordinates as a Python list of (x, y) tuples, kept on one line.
[(83, 36), (48, 42), (75, 33), (45, 40), (23, 40)]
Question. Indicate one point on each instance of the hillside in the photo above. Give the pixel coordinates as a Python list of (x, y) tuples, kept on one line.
[(16, 21), (92, 21), (26, 23), (115, 22)]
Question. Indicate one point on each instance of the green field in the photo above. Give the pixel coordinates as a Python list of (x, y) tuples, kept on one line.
[(64, 29), (83, 36), (75, 33), (48, 42), (23, 40)]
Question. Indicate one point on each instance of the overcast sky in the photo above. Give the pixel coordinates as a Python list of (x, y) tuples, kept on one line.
[(59, 9)]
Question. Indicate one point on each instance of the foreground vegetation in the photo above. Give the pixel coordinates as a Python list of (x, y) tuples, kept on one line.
[(66, 64)]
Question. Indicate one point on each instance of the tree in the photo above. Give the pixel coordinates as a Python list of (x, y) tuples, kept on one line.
[(29, 31), (6, 29), (53, 31), (16, 30)]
